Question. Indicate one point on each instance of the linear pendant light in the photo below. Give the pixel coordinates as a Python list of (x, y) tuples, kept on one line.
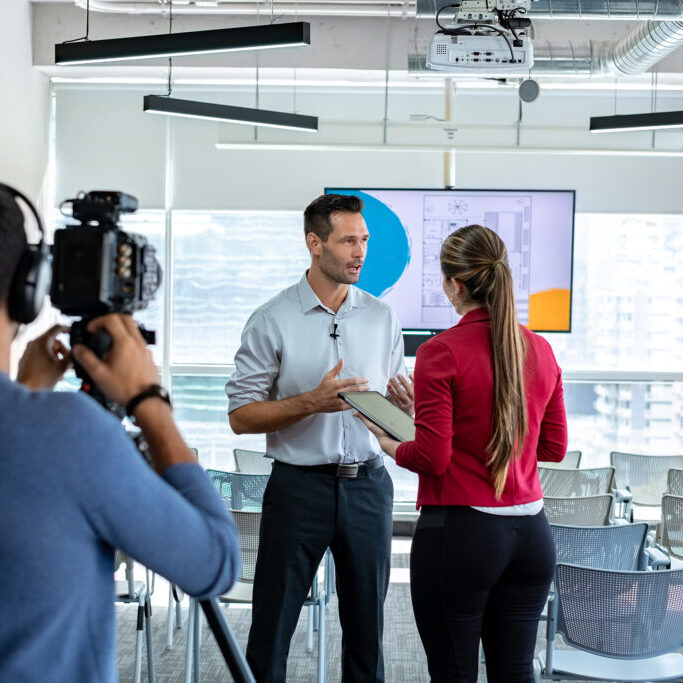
[(624, 122), (259, 37), (156, 104)]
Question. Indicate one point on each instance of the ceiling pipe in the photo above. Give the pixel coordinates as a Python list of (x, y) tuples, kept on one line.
[(626, 10), (355, 8), (644, 46)]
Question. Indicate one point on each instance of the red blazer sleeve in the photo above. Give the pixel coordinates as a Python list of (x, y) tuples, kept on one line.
[(552, 438), (431, 452)]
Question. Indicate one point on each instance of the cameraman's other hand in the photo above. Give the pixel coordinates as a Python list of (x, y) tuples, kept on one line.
[(45, 360), (127, 368)]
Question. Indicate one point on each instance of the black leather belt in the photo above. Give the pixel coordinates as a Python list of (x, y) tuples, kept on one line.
[(344, 470)]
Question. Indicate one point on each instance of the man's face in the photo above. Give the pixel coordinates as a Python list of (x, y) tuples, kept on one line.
[(341, 257)]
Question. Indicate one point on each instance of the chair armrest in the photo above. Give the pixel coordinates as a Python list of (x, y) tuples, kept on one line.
[(623, 495), (657, 558), (623, 500)]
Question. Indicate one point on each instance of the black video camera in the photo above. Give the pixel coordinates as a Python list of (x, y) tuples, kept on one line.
[(99, 268)]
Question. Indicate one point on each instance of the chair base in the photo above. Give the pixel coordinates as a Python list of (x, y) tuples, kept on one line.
[(585, 665)]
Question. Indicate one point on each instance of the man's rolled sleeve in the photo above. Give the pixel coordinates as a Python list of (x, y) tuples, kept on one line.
[(257, 363)]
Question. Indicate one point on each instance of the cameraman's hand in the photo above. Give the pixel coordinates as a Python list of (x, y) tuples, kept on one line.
[(45, 360), (127, 369)]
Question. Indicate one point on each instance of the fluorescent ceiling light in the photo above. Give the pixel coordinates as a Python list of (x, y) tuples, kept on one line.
[(624, 122), (189, 43), (171, 106)]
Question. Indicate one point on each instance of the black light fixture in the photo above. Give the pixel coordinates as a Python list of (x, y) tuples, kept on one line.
[(157, 104), (259, 37), (625, 122)]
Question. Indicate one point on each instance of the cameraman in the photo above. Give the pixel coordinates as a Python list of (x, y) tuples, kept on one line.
[(74, 488)]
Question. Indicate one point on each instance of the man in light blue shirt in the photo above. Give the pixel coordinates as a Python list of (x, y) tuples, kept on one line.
[(329, 487)]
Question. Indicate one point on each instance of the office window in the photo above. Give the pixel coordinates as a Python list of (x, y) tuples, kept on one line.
[(225, 265), (638, 417), (627, 308), (201, 411)]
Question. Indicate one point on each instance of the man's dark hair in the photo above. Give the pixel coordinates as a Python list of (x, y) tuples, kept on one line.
[(318, 212), (12, 240)]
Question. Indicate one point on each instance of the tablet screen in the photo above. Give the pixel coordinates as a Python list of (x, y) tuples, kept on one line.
[(382, 412)]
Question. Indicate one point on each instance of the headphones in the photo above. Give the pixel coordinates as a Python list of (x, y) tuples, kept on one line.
[(31, 282)]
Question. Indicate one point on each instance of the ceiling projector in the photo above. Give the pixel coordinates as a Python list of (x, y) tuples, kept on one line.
[(484, 37)]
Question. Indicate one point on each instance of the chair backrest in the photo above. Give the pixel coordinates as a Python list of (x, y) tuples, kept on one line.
[(248, 524), (240, 491), (620, 614), (252, 462), (579, 511), (672, 525), (600, 547), (674, 481), (572, 459), (563, 483), (643, 475)]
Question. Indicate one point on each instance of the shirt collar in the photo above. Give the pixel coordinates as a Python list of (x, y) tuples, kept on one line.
[(309, 299), (478, 315)]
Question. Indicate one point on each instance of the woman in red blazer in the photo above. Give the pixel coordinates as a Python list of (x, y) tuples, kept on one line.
[(488, 406)]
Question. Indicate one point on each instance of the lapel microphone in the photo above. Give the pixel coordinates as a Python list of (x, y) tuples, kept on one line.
[(334, 333)]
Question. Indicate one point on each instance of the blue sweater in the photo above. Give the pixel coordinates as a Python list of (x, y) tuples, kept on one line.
[(72, 489)]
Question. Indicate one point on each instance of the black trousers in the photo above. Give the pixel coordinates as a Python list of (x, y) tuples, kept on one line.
[(481, 576), (304, 512)]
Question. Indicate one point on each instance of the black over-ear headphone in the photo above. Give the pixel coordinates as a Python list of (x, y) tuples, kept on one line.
[(31, 282)]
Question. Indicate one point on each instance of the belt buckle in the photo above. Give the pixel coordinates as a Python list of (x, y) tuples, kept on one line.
[(347, 470)]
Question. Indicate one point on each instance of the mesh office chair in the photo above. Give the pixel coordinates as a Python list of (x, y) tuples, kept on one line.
[(645, 478), (674, 481), (238, 490), (174, 616), (132, 591), (572, 459), (252, 462), (565, 483), (248, 524), (601, 547), (621, 625), (672, 529), (583, 511)]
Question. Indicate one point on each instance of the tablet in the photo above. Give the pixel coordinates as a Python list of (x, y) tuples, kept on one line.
[(382, 412)]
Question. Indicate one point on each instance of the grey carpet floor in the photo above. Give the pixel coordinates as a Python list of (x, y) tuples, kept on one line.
[(404, 657)]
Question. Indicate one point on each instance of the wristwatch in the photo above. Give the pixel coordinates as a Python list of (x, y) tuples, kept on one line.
[(152, 391)]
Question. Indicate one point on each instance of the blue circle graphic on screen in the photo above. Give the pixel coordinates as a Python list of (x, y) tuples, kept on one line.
[(388, 249)]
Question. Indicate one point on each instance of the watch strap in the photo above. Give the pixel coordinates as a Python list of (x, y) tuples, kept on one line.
[(152, 391)]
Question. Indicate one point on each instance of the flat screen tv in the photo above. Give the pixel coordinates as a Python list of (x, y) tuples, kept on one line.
[(407, 227)]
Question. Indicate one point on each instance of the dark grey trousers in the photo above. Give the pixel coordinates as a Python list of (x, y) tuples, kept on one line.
[(304, 512)]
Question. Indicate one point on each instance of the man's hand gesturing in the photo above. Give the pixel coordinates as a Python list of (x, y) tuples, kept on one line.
[(325, 395)]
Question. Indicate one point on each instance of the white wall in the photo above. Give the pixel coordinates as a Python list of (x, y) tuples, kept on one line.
[(104, 140), (24, 103)]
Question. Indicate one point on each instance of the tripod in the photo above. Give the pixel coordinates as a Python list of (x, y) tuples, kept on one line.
[(233, 655)]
